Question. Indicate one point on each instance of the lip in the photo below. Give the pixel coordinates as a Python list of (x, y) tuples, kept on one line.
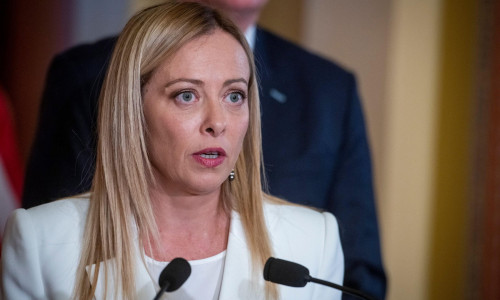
[(210, 157)]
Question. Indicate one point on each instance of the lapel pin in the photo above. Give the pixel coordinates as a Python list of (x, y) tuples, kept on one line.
[(277, 95)]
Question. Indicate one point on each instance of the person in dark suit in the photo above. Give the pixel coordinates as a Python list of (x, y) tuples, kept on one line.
[(315, 146)]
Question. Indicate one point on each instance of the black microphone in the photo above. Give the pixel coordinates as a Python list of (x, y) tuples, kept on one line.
[(292, 274), (173, 276)]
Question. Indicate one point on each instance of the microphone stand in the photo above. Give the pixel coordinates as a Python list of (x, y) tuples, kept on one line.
[(162, 290), (344, 289)]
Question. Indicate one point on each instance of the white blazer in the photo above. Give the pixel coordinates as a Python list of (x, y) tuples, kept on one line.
[(42, 245)]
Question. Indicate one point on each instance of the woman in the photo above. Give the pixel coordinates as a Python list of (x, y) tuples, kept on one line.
[(177, 175)]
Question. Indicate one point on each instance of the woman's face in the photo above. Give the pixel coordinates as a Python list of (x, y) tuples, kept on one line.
[(196, 109)]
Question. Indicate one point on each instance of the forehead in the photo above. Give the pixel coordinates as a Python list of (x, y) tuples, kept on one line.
[(216, 53)]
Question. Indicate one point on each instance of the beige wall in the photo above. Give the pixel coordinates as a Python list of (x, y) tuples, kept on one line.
[(407, 170), (284, 17)]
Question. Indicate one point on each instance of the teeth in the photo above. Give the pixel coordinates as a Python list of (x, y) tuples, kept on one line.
[(210, 155)]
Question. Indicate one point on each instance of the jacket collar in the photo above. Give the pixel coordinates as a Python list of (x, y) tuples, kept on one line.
[(238, 280)]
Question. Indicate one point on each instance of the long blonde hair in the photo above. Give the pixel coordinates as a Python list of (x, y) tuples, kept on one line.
[(120, 213)]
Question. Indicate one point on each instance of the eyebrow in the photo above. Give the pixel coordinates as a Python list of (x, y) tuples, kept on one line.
[(199, 82), (193, 81), (231, 81)]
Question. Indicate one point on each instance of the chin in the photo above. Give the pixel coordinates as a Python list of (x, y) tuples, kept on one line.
[(204, 186)]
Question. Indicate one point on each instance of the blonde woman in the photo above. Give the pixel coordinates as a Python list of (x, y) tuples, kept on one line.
[(177, 175)]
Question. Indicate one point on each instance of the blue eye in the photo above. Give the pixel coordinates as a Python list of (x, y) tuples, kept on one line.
[(185, 97), (235, 97)]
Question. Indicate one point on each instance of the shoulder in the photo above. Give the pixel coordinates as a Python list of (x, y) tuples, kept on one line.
[(308, 237), (300, 221), (278, 51), (58, 221), (96, 50), (68, 210), (88, 60), (41, 249)]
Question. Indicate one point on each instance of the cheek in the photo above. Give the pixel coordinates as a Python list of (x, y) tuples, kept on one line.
[(241, 129), (171, 131), (167, 133)]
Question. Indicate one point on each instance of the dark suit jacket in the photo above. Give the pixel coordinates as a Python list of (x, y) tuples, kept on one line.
[(314, 141)]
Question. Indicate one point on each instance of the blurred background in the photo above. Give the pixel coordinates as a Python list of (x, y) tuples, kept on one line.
[(428, 72)]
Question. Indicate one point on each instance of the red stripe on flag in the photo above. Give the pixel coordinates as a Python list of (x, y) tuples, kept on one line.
[(8, 149)]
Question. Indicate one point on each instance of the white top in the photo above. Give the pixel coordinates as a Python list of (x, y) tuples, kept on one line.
[(203, 283)]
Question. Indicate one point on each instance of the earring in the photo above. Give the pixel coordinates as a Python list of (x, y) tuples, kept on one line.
[(231, 175)]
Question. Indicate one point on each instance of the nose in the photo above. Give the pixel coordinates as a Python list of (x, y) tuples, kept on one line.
[(215, 118)]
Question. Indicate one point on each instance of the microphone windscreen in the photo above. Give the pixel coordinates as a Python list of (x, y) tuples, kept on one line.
[(175, 273), (285, 272)]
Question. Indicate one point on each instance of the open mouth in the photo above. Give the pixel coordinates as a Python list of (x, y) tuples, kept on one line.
[(210, 155)]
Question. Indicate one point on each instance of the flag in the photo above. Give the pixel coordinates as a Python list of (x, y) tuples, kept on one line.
[(11, 170)]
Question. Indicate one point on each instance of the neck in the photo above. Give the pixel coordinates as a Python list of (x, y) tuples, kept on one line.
[(189, 226), (243, 19), (184, 208)]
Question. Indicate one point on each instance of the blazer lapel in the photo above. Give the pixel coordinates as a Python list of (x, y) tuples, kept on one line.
[(238, 282), (145, 288)]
